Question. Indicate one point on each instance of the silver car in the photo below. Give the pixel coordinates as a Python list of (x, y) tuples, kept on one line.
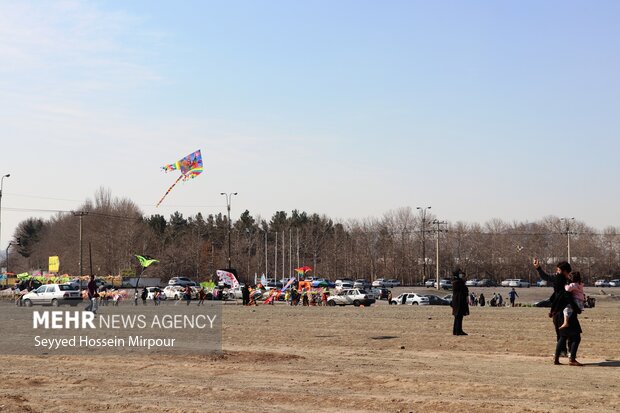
[(54, 295)]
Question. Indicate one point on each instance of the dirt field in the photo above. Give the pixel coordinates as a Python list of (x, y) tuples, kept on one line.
[(380, 358)]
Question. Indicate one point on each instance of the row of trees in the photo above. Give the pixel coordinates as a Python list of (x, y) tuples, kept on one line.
[(401, 244)]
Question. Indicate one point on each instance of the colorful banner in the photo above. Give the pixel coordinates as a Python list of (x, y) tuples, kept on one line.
[(228, 278), (54, 264)]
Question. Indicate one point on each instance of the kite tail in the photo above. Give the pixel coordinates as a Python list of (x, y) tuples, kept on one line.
[(169, 189)]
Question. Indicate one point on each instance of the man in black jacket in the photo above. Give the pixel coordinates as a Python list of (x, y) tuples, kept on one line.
[(560, 299), (460, 306)]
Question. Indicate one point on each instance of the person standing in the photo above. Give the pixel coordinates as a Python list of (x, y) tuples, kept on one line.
[(144, 296), (92, 295), (512, 295), (481, 300), (559, 300), (245, 294), (201, 296), (460, 307), (188, 294)]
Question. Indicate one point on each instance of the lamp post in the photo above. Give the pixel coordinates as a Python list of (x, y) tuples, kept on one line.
[(228, 200), (80, 214), (1, 184), (568, 234), (437, 230), (423, 214), (7, 256)]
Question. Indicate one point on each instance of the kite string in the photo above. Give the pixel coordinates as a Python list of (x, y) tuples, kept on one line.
[(169, 189)]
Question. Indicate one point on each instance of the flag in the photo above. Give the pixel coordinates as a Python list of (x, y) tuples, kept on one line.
[(228, 278), (145, 260)]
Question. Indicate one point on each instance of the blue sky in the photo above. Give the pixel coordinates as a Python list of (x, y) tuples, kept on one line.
[(351, 108)]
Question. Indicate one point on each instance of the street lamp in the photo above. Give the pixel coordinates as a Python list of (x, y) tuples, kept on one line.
[(7, 256), (568, 233), (438, 230), (1, 184), (423, 213), (228, 200)]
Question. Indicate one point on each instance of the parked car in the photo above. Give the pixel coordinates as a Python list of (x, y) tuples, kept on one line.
[(54, 295), (472, 283), (614, 283), (519, 283), (173, 292), (361, 283), (541, 283), (411, 299), (151, 293), (323, 282), (485, 282), (379, 282), (380, 293), (273, 285), (391, 283), (506, 283), (182, 281), (436, 300), (430, 283), (100, 283), (448, 298), (601, 283), (351, 296), (344, 283), (444, 284)]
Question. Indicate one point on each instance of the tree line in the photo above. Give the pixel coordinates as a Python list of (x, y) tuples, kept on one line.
[(401, 244)]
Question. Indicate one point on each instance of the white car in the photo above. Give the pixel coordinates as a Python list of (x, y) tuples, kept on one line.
[(391, 283), (506, 283), (430, 283), (361, 283), (151, 293), (411, 299), (472, 283), (351, 296), (601, 283), (182, 281), (444, 284), (519, 283), (379, 282), (173, 292), (344, 283), (54, 295), (614, 283)]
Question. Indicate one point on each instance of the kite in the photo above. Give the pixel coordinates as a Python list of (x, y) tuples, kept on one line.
[(303, 270), (190, 167), (145, 260)]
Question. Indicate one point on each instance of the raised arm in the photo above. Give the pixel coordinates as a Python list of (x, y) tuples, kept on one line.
[(541, 273)]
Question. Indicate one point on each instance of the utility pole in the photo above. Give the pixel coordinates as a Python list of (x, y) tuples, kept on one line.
[(80, 214), (423, 215), (1, 185), (568, 234), (228, 200), (438, 230)]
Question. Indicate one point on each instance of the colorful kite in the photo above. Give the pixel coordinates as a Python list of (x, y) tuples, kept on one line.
[(190, 167), (303, 270)]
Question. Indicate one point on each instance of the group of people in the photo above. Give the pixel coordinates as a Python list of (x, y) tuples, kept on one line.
[(496, 301), (292, 296), (567, 302)]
